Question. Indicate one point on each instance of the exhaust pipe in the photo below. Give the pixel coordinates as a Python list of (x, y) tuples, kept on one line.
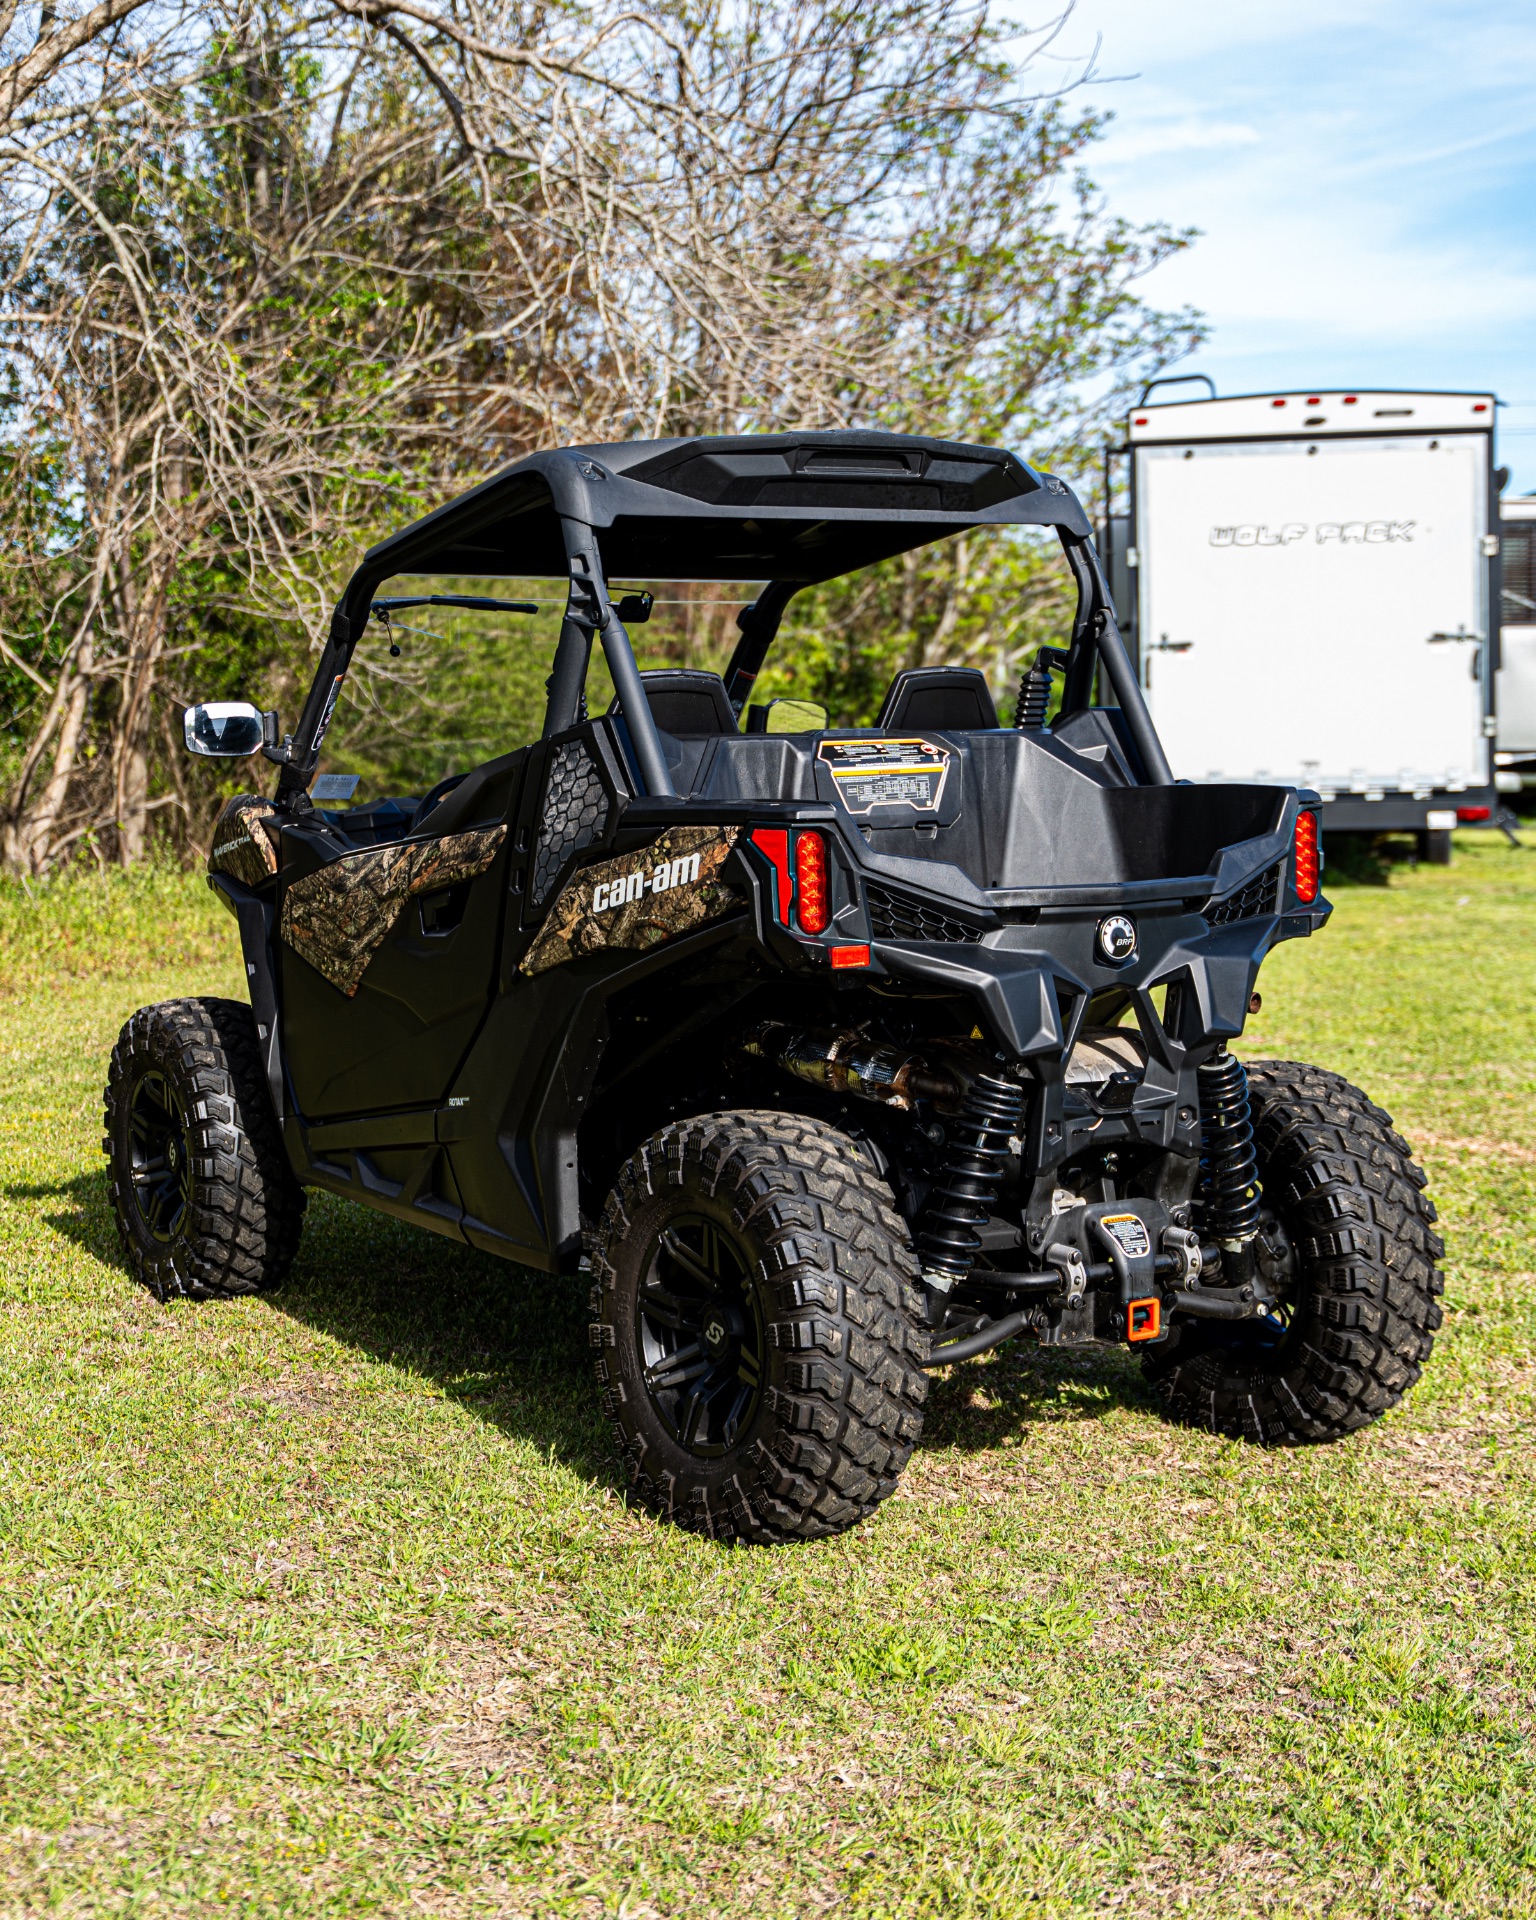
[(851, 1063)]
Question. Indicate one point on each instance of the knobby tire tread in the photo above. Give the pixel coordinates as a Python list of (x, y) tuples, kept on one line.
[(247, 1210), (1342, 1180), (838, 1281)]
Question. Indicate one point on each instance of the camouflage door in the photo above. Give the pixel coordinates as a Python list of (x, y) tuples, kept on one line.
[(388, 953)]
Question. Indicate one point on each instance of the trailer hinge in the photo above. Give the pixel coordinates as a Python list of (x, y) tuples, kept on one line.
[(1490, 546)]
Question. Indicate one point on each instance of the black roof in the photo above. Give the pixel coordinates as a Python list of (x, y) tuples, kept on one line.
[(783, 506)]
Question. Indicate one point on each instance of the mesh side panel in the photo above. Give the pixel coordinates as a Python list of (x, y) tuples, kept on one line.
[(892, 916), (575, 813), (1257, 897)]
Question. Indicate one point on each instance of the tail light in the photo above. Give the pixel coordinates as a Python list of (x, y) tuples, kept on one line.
[(1471, 816), (1306, 859), (813, 906)]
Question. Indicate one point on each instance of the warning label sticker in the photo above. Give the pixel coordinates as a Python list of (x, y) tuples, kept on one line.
[(1129, 1233), (879, 773)]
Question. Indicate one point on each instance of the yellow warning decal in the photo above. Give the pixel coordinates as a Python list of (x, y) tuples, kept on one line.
[(886, 772)]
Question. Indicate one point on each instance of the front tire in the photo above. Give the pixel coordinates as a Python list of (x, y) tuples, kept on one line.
[(207, 1206), (758, 1328), (1363, 1300)]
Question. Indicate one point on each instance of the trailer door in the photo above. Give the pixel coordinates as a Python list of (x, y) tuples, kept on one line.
[(1312, 611)]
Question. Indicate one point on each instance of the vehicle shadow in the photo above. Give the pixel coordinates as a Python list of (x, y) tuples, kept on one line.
[(982, 1404), (510, 1345)]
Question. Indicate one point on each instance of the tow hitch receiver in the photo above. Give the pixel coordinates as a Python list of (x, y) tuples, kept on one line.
[(1144, 1318)]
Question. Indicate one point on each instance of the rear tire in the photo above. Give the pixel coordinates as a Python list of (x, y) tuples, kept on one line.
[(1363, 1310), (207, 1206), (758, 1328)]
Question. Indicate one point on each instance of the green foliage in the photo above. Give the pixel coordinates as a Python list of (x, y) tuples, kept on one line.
[(985, 601), (83, 922)]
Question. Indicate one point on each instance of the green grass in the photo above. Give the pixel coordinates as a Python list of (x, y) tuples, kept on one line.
[(328, 1605)]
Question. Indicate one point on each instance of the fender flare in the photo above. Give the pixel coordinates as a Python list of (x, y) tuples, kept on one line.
[(256, 918)]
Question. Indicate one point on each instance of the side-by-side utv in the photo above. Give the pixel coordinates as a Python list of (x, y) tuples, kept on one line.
[(835, 1055)]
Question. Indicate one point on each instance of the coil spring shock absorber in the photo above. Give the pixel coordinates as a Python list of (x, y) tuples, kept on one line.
[(1229, 1166), (947, 1241)]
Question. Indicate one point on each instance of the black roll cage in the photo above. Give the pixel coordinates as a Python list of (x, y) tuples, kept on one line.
[(797, 509)]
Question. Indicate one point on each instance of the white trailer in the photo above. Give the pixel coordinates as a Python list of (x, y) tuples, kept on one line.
[(1312, 578), (1516, 677)]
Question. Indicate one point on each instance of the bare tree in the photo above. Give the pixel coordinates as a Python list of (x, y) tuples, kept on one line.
[(270, 282)]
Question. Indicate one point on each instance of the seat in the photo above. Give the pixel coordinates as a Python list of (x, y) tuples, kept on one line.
[(686, 700), (455, 801), (947, 699)]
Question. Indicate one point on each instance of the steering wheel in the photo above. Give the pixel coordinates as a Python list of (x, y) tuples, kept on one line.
[(430, 799)]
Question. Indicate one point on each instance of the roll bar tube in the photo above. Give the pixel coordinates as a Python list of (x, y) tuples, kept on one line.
[(587, 611), (1095, 629), (758, 624), (588, 606)]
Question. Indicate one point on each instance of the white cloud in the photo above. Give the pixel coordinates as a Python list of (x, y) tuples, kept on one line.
[(1362, 173), (1186, 135)]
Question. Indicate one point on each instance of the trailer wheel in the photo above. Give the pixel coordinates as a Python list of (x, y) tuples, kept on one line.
[(1360, 1321), (207, 1206), (758, 1328)]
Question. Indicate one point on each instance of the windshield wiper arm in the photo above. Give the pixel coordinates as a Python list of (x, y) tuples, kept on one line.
[(472, 600)]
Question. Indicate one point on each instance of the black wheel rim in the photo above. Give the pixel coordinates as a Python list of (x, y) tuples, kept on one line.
[(160, 1157), (700, 1334)]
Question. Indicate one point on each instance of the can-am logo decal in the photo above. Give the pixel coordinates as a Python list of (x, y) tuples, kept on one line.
[(620, 891), (621, 905), (1370, 533)]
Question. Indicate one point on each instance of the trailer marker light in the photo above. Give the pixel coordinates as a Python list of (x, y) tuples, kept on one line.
[(1306, 861), (1351, 399), (1315, 400), (849, 956), (773, 844), (1277, 403), (1470, 815), (1140, 420), (1481, 406), (812, 908)]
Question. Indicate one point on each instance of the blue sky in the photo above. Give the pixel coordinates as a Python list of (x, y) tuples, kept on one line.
[(1365, 177)]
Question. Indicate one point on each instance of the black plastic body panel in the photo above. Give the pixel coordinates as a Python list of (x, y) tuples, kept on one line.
[(457, 1090)]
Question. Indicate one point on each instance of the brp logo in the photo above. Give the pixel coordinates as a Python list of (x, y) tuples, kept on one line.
[(1117, 940)]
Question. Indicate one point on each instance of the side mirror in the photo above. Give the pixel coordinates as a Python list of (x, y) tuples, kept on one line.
[(787, 716), (227, 729)]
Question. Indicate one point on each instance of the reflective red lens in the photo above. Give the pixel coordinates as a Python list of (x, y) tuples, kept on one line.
[(849, 956), (773, 842), (1306, 860), (813, 906), (1474, 813)]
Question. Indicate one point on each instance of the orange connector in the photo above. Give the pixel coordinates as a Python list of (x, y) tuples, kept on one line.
[(1144, 1319)]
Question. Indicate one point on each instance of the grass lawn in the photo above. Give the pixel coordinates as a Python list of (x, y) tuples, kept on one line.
[(328, 1603)]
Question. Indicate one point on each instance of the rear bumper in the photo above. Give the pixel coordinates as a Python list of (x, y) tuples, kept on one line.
[(1401, 812)]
